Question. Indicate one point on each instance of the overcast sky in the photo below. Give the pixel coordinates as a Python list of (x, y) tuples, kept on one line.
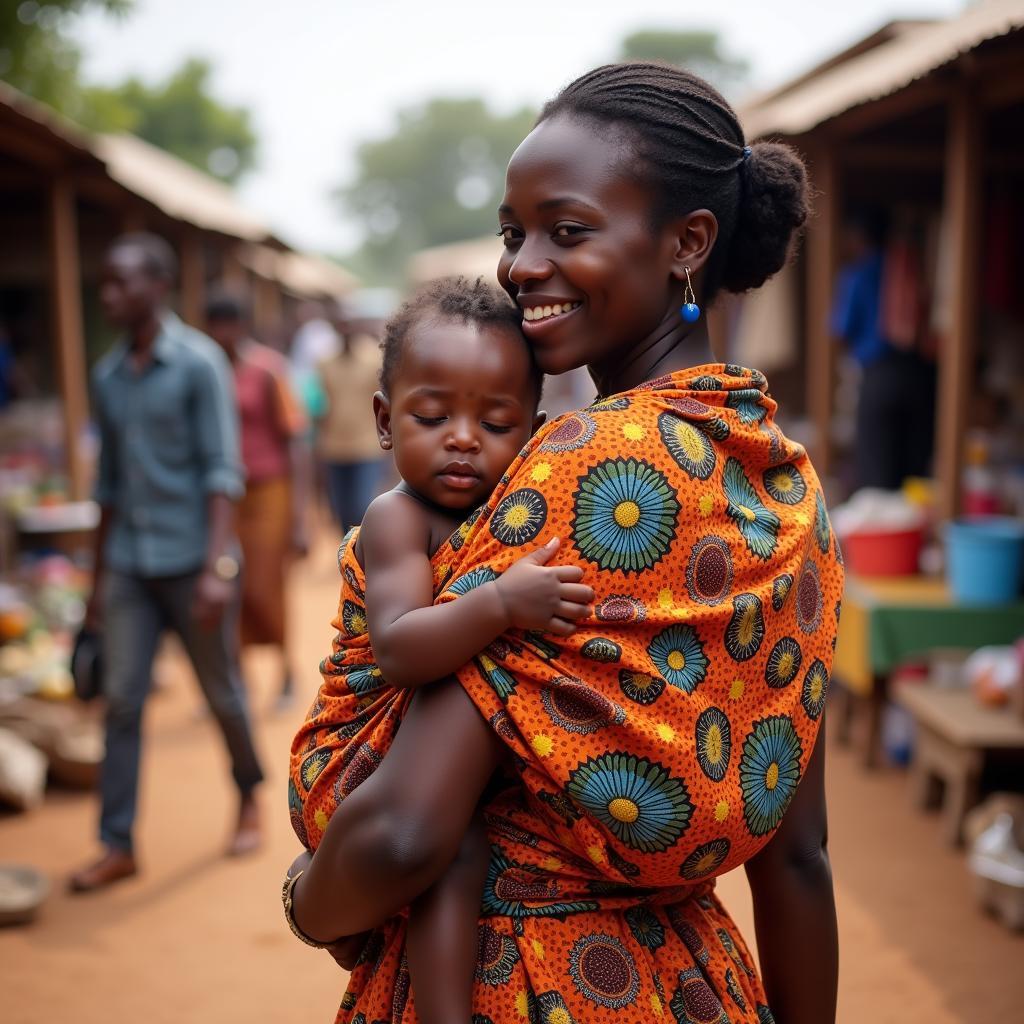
[(320, 76)]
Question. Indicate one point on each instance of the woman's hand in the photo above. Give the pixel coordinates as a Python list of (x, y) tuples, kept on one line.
[(536, 595), (345, 951)]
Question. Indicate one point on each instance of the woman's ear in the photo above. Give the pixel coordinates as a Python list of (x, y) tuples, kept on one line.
[(382, 414), (692, 239)]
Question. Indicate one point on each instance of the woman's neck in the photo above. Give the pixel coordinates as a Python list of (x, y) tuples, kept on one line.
[(673, 346)]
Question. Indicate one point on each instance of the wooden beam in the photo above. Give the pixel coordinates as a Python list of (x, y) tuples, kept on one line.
[(962, 215), (821, 262), (68, 334), (927, 92), (192, 285)]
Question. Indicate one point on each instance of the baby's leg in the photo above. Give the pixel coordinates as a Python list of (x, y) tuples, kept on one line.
[(442, 941)]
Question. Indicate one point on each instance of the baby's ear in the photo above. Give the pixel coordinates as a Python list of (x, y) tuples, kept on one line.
[(539, 420), (382, 415)]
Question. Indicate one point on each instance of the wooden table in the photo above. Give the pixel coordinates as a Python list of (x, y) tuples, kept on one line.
[(954, 735), (887, 622)]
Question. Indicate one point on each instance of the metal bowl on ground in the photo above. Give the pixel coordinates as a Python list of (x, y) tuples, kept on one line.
[(23, 891)]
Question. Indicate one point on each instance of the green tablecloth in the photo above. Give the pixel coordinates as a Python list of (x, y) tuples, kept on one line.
[(890, 621)]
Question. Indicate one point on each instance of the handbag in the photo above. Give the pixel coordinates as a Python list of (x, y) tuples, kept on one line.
[(87, 664)]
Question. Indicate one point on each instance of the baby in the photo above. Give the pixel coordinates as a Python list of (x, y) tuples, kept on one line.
[(458, 399)]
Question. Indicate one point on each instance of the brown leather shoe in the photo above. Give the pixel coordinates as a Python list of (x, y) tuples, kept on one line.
[(111, 867), (248, 837)]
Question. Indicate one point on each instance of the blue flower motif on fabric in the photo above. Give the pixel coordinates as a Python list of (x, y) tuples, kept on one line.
[(363, 679), (679, 657), (688, 445), (748, 403), (713, 734), (551, 1008), (472, 579), (615, 403), (645, 926), (641, 687), (784, 484), (500, 679), (769, 772), (745, 632), (781, 587), (603, 971), (635, 799), (758, 525), (353, 617), (814, 690), (822, 528), (312, 766), (519, 517), (295, 809), (734, 990), (625, 516), (705, 860), (783, 663)]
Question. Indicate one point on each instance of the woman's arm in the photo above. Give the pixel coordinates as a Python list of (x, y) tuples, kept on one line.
[(416, 641), (396, 833), (794, 907)]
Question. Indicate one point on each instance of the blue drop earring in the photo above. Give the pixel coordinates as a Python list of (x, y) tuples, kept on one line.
[(689, 310)]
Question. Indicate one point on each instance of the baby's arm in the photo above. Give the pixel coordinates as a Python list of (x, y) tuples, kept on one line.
[(442, 940), (415, 641)]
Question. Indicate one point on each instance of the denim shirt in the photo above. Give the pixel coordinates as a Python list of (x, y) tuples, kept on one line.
[(169, 439)]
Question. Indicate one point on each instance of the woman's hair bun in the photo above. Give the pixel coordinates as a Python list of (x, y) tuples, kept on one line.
[(774, 204)]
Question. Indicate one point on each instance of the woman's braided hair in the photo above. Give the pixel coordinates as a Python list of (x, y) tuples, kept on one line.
[(692, 152)]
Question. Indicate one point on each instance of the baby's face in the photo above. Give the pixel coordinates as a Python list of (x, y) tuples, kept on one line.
[(461, 407)]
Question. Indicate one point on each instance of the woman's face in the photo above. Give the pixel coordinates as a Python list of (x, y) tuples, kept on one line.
[(579, 238)]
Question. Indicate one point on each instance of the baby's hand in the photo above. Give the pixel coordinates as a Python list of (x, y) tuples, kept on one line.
[(538, 596)]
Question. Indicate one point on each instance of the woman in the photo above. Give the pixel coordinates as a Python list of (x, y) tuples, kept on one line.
[(663, 744), (271, 516)]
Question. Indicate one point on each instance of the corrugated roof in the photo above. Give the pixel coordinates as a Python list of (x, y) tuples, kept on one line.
[(176, 187), (881, 71), (302, 274)]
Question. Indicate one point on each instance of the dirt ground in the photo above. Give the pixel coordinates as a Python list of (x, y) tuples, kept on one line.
[(200, 939)]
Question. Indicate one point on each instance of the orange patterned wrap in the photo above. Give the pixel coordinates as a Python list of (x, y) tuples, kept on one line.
[(656, 748)]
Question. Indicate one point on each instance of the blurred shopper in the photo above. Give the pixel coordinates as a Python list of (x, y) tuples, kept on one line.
[(272, 515), (896, 402), (313, 342), (346, 434), (169, 473)]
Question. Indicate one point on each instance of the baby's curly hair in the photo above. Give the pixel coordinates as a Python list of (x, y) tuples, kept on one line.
[(452, 298)]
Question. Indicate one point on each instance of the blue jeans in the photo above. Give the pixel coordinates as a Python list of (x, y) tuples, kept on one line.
[(136, 612), (351, 486)]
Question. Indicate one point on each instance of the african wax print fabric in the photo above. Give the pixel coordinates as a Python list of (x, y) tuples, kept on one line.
[(657, 747)]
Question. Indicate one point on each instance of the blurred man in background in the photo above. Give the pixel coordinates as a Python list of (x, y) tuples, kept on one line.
[(169, 474)]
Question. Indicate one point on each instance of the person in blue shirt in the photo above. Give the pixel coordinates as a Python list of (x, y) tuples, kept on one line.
[(169, 473), (895, 406)]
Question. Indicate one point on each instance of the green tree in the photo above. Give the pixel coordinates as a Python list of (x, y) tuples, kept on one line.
[(697, 51), (179, 115), (435, 179), (37, 54)]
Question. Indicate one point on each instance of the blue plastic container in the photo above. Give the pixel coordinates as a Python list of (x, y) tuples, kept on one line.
[(985, 559)]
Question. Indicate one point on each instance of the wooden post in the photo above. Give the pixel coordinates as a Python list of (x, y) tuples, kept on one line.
[(192, 287), (68, 334), (821, 262), (961, 212)]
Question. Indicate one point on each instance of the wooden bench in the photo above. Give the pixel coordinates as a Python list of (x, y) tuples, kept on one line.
[(954, 735)]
